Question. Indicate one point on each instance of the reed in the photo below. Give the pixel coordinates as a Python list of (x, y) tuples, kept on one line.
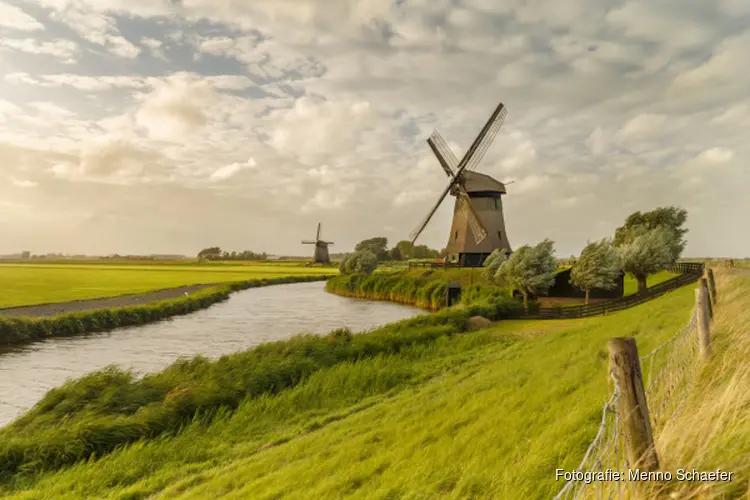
[(425, 289), (111, 408)]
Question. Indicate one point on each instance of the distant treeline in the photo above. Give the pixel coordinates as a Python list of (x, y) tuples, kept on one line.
[(216, 253)]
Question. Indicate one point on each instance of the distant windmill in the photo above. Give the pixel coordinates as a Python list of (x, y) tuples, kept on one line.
[(478, 225), (321, 249)]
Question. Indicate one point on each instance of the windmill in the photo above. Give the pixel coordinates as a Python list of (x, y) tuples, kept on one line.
[(321, 249), (478, 225)]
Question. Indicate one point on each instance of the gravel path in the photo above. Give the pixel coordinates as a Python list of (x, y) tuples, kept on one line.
[(42, 310)]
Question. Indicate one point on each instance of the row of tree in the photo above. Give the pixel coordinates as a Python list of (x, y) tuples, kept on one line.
[(404, 250), (647, 243), (216, 253)]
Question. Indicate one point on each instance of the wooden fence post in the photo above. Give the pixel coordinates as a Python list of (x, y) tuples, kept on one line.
[(703, 323), (709, 307), (632, 407), (711, 284)]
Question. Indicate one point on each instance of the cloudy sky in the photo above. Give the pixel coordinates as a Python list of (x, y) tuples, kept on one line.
[(144, 126)]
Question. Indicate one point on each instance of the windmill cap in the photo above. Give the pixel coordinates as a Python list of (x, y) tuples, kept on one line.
[(475, 182)]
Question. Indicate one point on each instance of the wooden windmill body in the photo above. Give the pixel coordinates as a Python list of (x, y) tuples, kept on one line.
[(478, 226), (320, 256)]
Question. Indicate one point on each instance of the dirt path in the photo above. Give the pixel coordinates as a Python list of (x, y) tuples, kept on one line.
[(43, 310)]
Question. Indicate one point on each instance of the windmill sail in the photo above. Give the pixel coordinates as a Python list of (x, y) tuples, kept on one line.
[(475, 224)]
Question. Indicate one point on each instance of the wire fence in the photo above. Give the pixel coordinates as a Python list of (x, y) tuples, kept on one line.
[(667, 385)]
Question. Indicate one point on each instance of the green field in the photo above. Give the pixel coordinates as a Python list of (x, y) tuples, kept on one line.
[(33, 283), (475, 415), (631, 285)]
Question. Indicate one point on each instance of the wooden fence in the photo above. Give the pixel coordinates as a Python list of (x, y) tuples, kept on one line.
[(644, 401), (689, 273)]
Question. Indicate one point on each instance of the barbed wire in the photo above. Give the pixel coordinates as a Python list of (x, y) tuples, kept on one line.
[(672, 360)]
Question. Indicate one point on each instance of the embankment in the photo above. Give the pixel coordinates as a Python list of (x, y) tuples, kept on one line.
[(425, 289), (112, 408), (20, 330)]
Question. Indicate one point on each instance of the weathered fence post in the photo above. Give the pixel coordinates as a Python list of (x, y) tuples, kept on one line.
[(625, 366), (703, 323), (711, 284), (709, 307)]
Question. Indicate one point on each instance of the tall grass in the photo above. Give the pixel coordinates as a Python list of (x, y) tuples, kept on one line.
[(111, 408), (14, 331), (713, 432), (424, 288)]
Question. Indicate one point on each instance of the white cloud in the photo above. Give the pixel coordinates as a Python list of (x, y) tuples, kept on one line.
[(316, 127), (14, 18), (228, 171), (65, 50), (329, 199), (100, 29), (23, 183), (613, 107), (716, 155), (176, 109)]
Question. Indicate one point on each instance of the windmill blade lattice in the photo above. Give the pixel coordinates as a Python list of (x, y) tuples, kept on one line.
[(487, 139), (443, 152)]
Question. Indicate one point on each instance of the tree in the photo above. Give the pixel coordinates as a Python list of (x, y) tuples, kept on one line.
[(211, 253), (395, 254), (365, 262), (647, 251), (493, 261), (344, 266), (670, 218), (362, 261), (377, 245), (25, 254), (529, 270), (598, 267), (405, 248)]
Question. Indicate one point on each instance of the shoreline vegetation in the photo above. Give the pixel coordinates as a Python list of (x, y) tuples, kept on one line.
[(111, 408), (15, 331), (423, 290)]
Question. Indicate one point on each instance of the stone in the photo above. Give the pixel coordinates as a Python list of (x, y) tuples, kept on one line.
[(478, 323)]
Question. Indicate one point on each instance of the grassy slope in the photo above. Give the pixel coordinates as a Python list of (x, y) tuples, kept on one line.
[(470, 415), (715, 433), (27, 284)]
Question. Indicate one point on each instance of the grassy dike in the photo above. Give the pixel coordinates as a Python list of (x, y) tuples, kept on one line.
[(14, 331), (112, 408), (424, 289), (416, 409)]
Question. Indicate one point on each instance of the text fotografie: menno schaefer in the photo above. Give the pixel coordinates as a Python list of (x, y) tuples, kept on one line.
[(588, 477)]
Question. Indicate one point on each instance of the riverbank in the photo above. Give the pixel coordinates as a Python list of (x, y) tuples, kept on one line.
[(58, 308), (20, 330), (415, 408), (421, 288)]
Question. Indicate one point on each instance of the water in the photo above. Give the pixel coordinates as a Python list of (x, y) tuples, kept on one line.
[(248, 318)]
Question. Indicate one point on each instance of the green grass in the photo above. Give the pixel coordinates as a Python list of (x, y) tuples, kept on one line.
[(476, 415), (33, 283), (631, 285)]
